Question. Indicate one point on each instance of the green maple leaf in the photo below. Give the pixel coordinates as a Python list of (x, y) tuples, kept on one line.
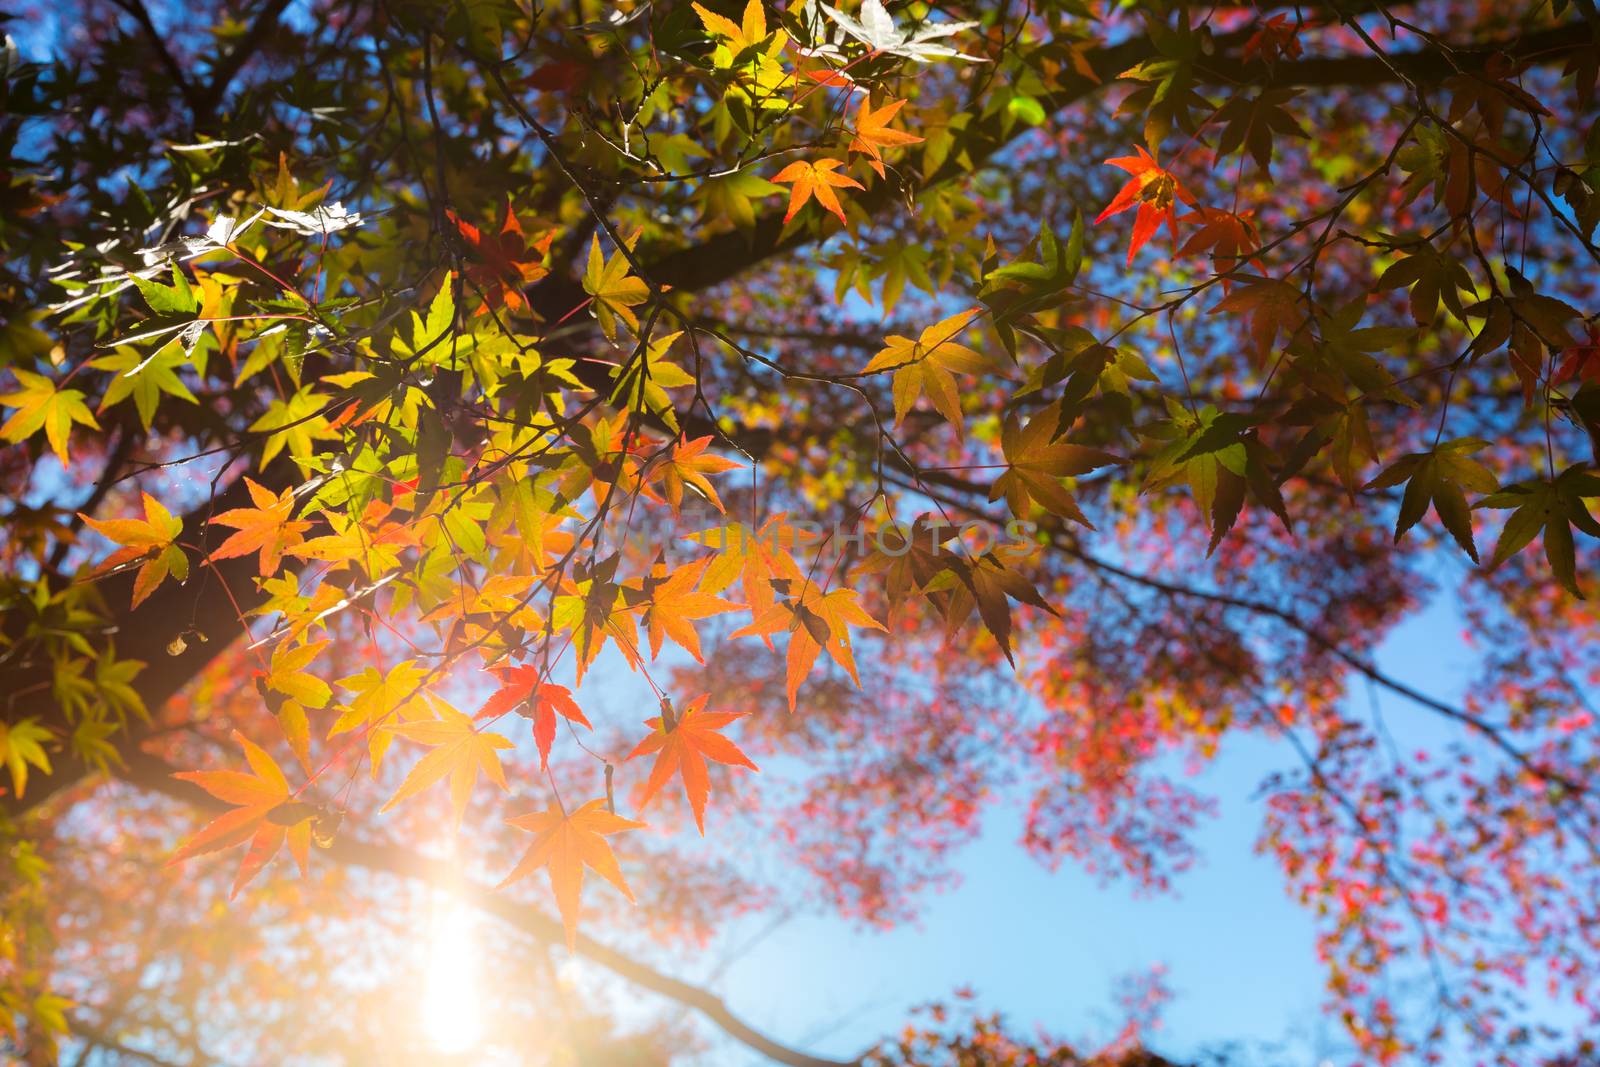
[(1550, 507), (21, 746), (1440, 476)]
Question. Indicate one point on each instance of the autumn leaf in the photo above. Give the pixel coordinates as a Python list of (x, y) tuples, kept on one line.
[(296, 424), (150, 539), (501, 264), (616, 292), (39, 405), (1153, 191), (674, 601), (814, 621), (927, 365), (751, 557), (520, 688), (458, 749), (1036, 464), (872, 133), (287, 674), (257, 797), (1270, 307), (687, 464), (682, 744), (145, 377), (739, 36), (989, 584), (755, 52), (267, 527), (564, 845), (806, 179), (378, 696), (1231, 238)]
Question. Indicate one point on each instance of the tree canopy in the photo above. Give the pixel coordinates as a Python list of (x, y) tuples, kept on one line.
[(932, 403)]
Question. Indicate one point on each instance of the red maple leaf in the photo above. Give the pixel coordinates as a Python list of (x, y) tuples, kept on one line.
[(520, 690), (1154, 191), (500, 264)]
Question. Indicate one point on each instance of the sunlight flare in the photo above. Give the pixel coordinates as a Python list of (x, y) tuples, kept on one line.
[(452, 1019)]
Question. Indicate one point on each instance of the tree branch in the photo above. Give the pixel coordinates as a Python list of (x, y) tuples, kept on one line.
[(152, 773)]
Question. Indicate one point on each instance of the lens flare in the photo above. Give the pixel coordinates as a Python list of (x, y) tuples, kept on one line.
[(452, 1018)]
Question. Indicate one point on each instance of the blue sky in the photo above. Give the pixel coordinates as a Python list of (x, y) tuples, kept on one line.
[(1046, 948)]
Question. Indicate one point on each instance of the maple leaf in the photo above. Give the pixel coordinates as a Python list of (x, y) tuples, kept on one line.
[(297, 423), (264, 814), (687, 465), (502, 263), (756, 53), (21, 744), (267, 527), (1270, 306), (1553, 508), (1153, 191), (876, 30), (986, 584), (806, 179), (674, 601), (287, 674), (616, 292), (1275, 37), (683, 743), (872, 133), (1250, 123), (40, 404), (1581, 360), (150, 539), (564, 845), (739, 36), (926, 365), (752, 557), (1037, 463), (297, 689), (520, 686), (145, 378), (380, 695), (1231, 238), (814, 621), (1439, 476), (458, 749)]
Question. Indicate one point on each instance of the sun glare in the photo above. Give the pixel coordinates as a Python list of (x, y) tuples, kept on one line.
[(452, 1017)]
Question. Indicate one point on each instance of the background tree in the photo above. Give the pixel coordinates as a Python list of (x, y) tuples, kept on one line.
[(374, 372)]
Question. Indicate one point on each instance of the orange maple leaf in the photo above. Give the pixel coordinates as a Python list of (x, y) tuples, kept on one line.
[(816, 179), (149, 539), (502, 263), (1154, 191), (267, 527), (873, 134), (264, 813), (674, 601), (814, 621), (683, 745), (687, 465), (751, 557), (521, 686), (564, 844)]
